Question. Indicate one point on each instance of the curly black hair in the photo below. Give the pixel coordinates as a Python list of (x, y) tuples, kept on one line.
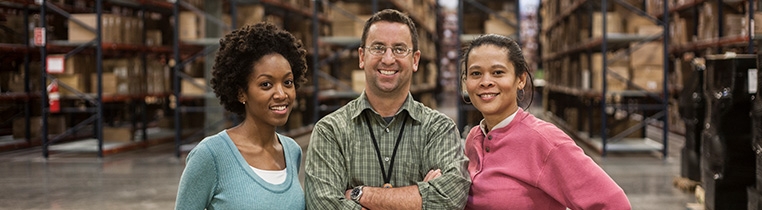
[(239, 50)]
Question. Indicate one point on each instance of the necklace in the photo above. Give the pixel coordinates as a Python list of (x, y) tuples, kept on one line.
[(387, 176)]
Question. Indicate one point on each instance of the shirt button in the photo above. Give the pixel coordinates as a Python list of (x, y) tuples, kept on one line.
[(489, 137), (486, 149), (386, 159), (387, 130)]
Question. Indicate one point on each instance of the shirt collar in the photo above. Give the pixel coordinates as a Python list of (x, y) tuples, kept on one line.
[(408, 106), (502, 124)]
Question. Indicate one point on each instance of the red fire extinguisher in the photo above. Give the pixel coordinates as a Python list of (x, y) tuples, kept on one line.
[(54, 97)]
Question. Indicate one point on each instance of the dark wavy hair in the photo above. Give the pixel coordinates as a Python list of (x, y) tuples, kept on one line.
[(394, 16), (242, 47), (524, 98)]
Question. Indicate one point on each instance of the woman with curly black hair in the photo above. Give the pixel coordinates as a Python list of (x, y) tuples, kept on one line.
[(250, 166)]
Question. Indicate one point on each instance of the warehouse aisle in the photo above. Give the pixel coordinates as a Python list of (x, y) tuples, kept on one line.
[(148, 178)]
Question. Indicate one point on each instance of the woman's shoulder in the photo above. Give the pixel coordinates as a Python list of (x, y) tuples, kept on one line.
[(213, 142), (537, 127)]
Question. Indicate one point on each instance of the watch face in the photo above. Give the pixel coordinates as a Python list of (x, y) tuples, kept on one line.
[(355, 193)]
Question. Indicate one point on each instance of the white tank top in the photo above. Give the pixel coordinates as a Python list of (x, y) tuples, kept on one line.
[(271, 176)]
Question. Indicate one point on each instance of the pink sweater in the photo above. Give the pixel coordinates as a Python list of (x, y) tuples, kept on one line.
[(531, 164)]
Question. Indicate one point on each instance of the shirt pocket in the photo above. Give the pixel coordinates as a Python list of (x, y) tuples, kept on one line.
[(409, 171)]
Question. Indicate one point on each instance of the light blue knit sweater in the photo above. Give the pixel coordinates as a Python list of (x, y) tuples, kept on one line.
[(216, 176)]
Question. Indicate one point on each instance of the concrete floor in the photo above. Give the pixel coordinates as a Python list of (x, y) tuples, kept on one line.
[(148, 178)]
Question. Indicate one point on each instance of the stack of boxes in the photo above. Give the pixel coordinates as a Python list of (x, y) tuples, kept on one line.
[(114, 28), (643, 66)]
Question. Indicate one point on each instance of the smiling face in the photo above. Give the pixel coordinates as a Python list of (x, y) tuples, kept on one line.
[(388, 74), (271, 91), (492, 83)]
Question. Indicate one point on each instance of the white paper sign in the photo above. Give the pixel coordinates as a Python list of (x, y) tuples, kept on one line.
[(55, 64)]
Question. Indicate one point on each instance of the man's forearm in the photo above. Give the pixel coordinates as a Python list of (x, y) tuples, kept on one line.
[(406, 197)]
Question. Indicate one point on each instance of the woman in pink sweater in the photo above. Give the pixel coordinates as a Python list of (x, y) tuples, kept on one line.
[(518, 161)]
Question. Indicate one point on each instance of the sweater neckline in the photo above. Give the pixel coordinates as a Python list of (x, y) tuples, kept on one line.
[(256, 178)]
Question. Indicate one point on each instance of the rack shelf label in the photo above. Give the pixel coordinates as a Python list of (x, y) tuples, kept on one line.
[(39, 36)]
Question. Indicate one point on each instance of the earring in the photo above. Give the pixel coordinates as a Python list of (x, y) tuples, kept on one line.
[(520, 95), (243, 102), (465, 98)]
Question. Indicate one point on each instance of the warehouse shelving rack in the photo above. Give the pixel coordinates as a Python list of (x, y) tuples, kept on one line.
[(182, 52), (349, 45), (93, 103), (209, 46), (468, 116), (185, 141), (738, 43), (97, 101), (326, 101), (721, 40), (635, 103), (23, 99)]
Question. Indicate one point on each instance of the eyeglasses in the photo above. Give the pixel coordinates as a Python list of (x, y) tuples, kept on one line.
[(380, 50)]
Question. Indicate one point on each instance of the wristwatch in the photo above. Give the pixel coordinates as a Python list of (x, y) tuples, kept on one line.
[(356, 194)]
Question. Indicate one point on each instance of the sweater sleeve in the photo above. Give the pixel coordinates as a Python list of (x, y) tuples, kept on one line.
[(199, 179), (574, 179), (445, 151)]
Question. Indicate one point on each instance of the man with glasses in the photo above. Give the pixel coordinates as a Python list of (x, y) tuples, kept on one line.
[(384, 150)]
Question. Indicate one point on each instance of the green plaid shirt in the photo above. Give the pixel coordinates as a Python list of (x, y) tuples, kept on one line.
[(341, 155)]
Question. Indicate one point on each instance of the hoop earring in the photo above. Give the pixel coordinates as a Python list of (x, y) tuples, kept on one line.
[(466, 99), (520, 95)]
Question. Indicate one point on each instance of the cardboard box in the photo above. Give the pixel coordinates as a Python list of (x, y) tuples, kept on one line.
[(188, 88), (79, 82), (648, 77), (56, 125), (111, 30), (109, 86), (350, 28), (352, 8), (651, 53), (117, 134), (613, 23), (153, 38), (157, 78), (192, 26), (250, 14), (615, 66), (497, 26), (678, 31), (612, 81), (735, 25), (597, 61), (358, 80), (634, 22)]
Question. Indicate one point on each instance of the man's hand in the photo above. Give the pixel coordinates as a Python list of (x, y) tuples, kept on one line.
[(348, 194), (432, 174)]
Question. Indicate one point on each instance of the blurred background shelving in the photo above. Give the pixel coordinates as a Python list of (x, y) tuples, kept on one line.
[(622, 77)]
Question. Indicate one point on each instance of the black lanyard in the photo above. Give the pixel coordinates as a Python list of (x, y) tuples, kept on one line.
[(387, 177)]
